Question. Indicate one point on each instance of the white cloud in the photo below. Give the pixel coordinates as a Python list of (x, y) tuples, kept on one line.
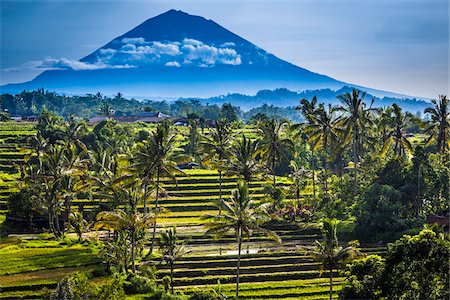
[(192, 42), (135, 52), (136, 41), (172, 64), (69, 64), (228, 44)]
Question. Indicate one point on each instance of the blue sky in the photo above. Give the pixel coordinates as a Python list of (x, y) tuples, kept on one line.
[(400, 46)]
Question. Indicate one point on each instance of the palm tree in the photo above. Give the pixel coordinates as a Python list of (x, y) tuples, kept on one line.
[(162, 143), (216, 145), (308, 109), (244, 163), (439, 128), (240, 217), (193, 138), (127, 225), (274, 147), (356, 122), (323, 131), (142, 164), (49, 178), (397, 134), (172, 249), (384, 122), (76, 166), (78, 224), (297, 175), (330, 253)]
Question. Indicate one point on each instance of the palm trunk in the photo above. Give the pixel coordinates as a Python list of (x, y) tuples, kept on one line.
[(58, 228), (67, 205), (273, 173), (50, 221), (171, 277), (145, 199), (156, 211), (133, 247), (326, 168), (418, 192), (331, 282), (313, 172), (220, 190), (238, 261), (355, 162)]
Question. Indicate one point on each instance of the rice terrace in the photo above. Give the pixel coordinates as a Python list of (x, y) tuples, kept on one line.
[(180, 161)]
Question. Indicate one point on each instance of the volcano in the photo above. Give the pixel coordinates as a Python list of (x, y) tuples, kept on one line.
[(176, 54)]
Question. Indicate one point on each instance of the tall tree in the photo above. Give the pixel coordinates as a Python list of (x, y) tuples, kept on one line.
[(356, 121), (239, 217), (330, 253), (308, 109), (243, 162), (216, 145), (172, 248), (439, 128), (165, 158), (275, 145), (397, 134), (128, 225), (322, 132)]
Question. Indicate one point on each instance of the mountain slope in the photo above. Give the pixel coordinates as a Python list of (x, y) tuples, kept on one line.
[(178, 55)]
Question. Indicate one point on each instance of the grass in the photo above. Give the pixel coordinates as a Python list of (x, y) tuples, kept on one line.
[(36, 255)]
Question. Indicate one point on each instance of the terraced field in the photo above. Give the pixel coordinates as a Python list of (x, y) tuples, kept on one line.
[(13, 148), (33, 264), (269, 270)]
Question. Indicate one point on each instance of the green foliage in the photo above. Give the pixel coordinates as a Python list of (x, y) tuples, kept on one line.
[(418, 267), (140, 285), (363, 278), (25, 204), (415, 267), (382, 211), (79, 287)]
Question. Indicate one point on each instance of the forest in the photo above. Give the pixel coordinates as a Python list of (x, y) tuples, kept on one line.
[(346, 201)]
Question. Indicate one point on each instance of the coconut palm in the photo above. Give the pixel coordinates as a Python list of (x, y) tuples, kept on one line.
[(330, 253), (50, 179), (356, 121), (297, 176), (308, 109), (172, 248), (78, 224), (193, 137), (384, 122), (216, 145), (274, 147), (239, 217), (323, 131), (396, 134), (162, 145), (244, 163), (76, 166), (128, 225), (142, 164), (439, 128)]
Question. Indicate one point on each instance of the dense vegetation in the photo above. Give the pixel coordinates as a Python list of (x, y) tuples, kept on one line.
[(121, 187)]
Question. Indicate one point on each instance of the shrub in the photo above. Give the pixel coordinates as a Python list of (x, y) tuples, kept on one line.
[(140, 285)]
